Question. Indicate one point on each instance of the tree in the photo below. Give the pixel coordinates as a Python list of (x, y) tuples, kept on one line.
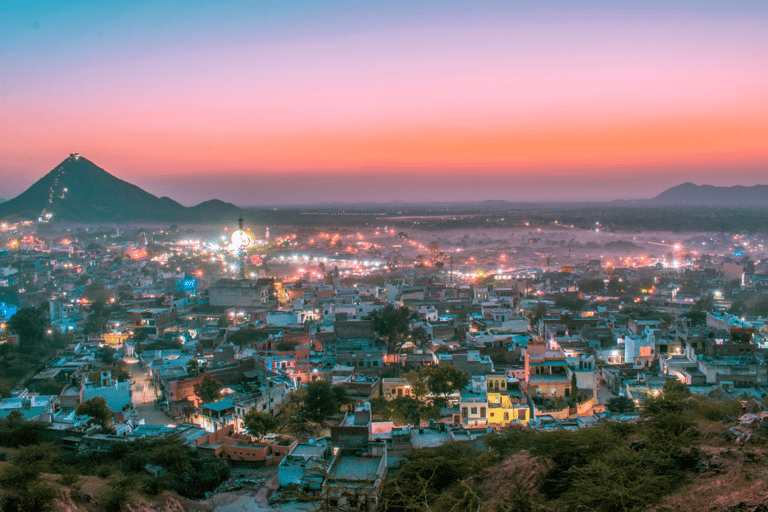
[(107, 355), (193, 366), (30, 324), (391, 323), (341, 395), (30, 492), (444, 380), (592, 286), (208, 390), (98, 410), (574, 387), (320, 402), (673, 399), (676, 388), (538, 313), (417, 379), (224, 321), (420, 335), (615, 287), (704, 304), (620, 404), (406, 410), (259, 423), (97, 292)]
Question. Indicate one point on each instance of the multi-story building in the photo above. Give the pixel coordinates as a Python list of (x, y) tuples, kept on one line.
[(546, 370)]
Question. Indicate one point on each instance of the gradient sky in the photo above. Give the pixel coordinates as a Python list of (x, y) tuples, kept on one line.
[(304, 102)]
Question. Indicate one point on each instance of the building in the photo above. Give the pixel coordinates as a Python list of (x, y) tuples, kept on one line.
[(546, 371), (117, 394), (152, 320), (238, 293), (227, 444)]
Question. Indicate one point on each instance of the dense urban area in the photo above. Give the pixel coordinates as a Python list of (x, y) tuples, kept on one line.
[(394, 362)]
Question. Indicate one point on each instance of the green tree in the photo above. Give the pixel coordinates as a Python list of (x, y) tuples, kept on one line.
[(538, 313), (106, 355), (23, 478), (420, 335), (98, 410), (705, 304), (193, 366), (97, 292), (208, 390), (676, 388), (620, 404), (320, 402), (615, 287), (224, 321), (592, 286), (444, 380), (417, 379), (341, 395), (574, 388), (405, 410), (259, 423), (30, 324), (392, 324), (673, 399), (96, 322)]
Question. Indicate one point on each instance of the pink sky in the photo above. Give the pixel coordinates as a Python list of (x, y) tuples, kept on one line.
[(557, 104)]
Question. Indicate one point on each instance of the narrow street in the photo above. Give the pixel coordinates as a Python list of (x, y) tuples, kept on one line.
[(144, 397)]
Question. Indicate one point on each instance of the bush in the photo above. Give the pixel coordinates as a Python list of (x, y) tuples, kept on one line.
[(716, 410), (70, 478)]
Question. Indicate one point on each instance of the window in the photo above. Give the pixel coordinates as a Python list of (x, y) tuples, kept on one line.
[(506, 416), (474, 410), (482, 412), (464, 412)]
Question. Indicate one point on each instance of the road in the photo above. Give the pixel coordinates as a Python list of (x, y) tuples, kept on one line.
[(144, 396)]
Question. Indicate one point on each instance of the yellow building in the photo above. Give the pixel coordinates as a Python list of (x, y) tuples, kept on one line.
[(115, 338), (505, 407)]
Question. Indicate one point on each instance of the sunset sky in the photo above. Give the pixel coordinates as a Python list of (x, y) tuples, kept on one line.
[(267, 102)]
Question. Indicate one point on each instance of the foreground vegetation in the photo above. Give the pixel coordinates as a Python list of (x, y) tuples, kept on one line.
[(143, 467), (616, 466)]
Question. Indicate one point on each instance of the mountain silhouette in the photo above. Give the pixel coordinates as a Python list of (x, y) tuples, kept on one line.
[(78, 190), (710, 195)]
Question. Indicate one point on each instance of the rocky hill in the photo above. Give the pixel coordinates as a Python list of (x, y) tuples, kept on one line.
[(80, 191)]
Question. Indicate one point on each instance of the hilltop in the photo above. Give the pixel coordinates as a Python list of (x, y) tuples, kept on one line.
[(710, 195), (78, 190)]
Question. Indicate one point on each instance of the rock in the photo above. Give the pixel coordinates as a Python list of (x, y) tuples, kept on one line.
[(746, 420)]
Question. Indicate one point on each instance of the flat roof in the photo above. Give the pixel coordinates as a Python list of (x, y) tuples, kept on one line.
[(307, 450), (355, 468)]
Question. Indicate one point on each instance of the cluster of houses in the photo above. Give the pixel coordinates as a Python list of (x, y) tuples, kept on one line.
[(532, 358)]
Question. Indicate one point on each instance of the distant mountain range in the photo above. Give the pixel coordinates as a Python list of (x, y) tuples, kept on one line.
[(80, 191), (710, 195)]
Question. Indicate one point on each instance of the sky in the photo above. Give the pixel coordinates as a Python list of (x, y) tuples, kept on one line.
[(266, 103)]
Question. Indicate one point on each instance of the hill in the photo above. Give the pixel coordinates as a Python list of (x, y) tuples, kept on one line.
[(78, 190), (709, 195)]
